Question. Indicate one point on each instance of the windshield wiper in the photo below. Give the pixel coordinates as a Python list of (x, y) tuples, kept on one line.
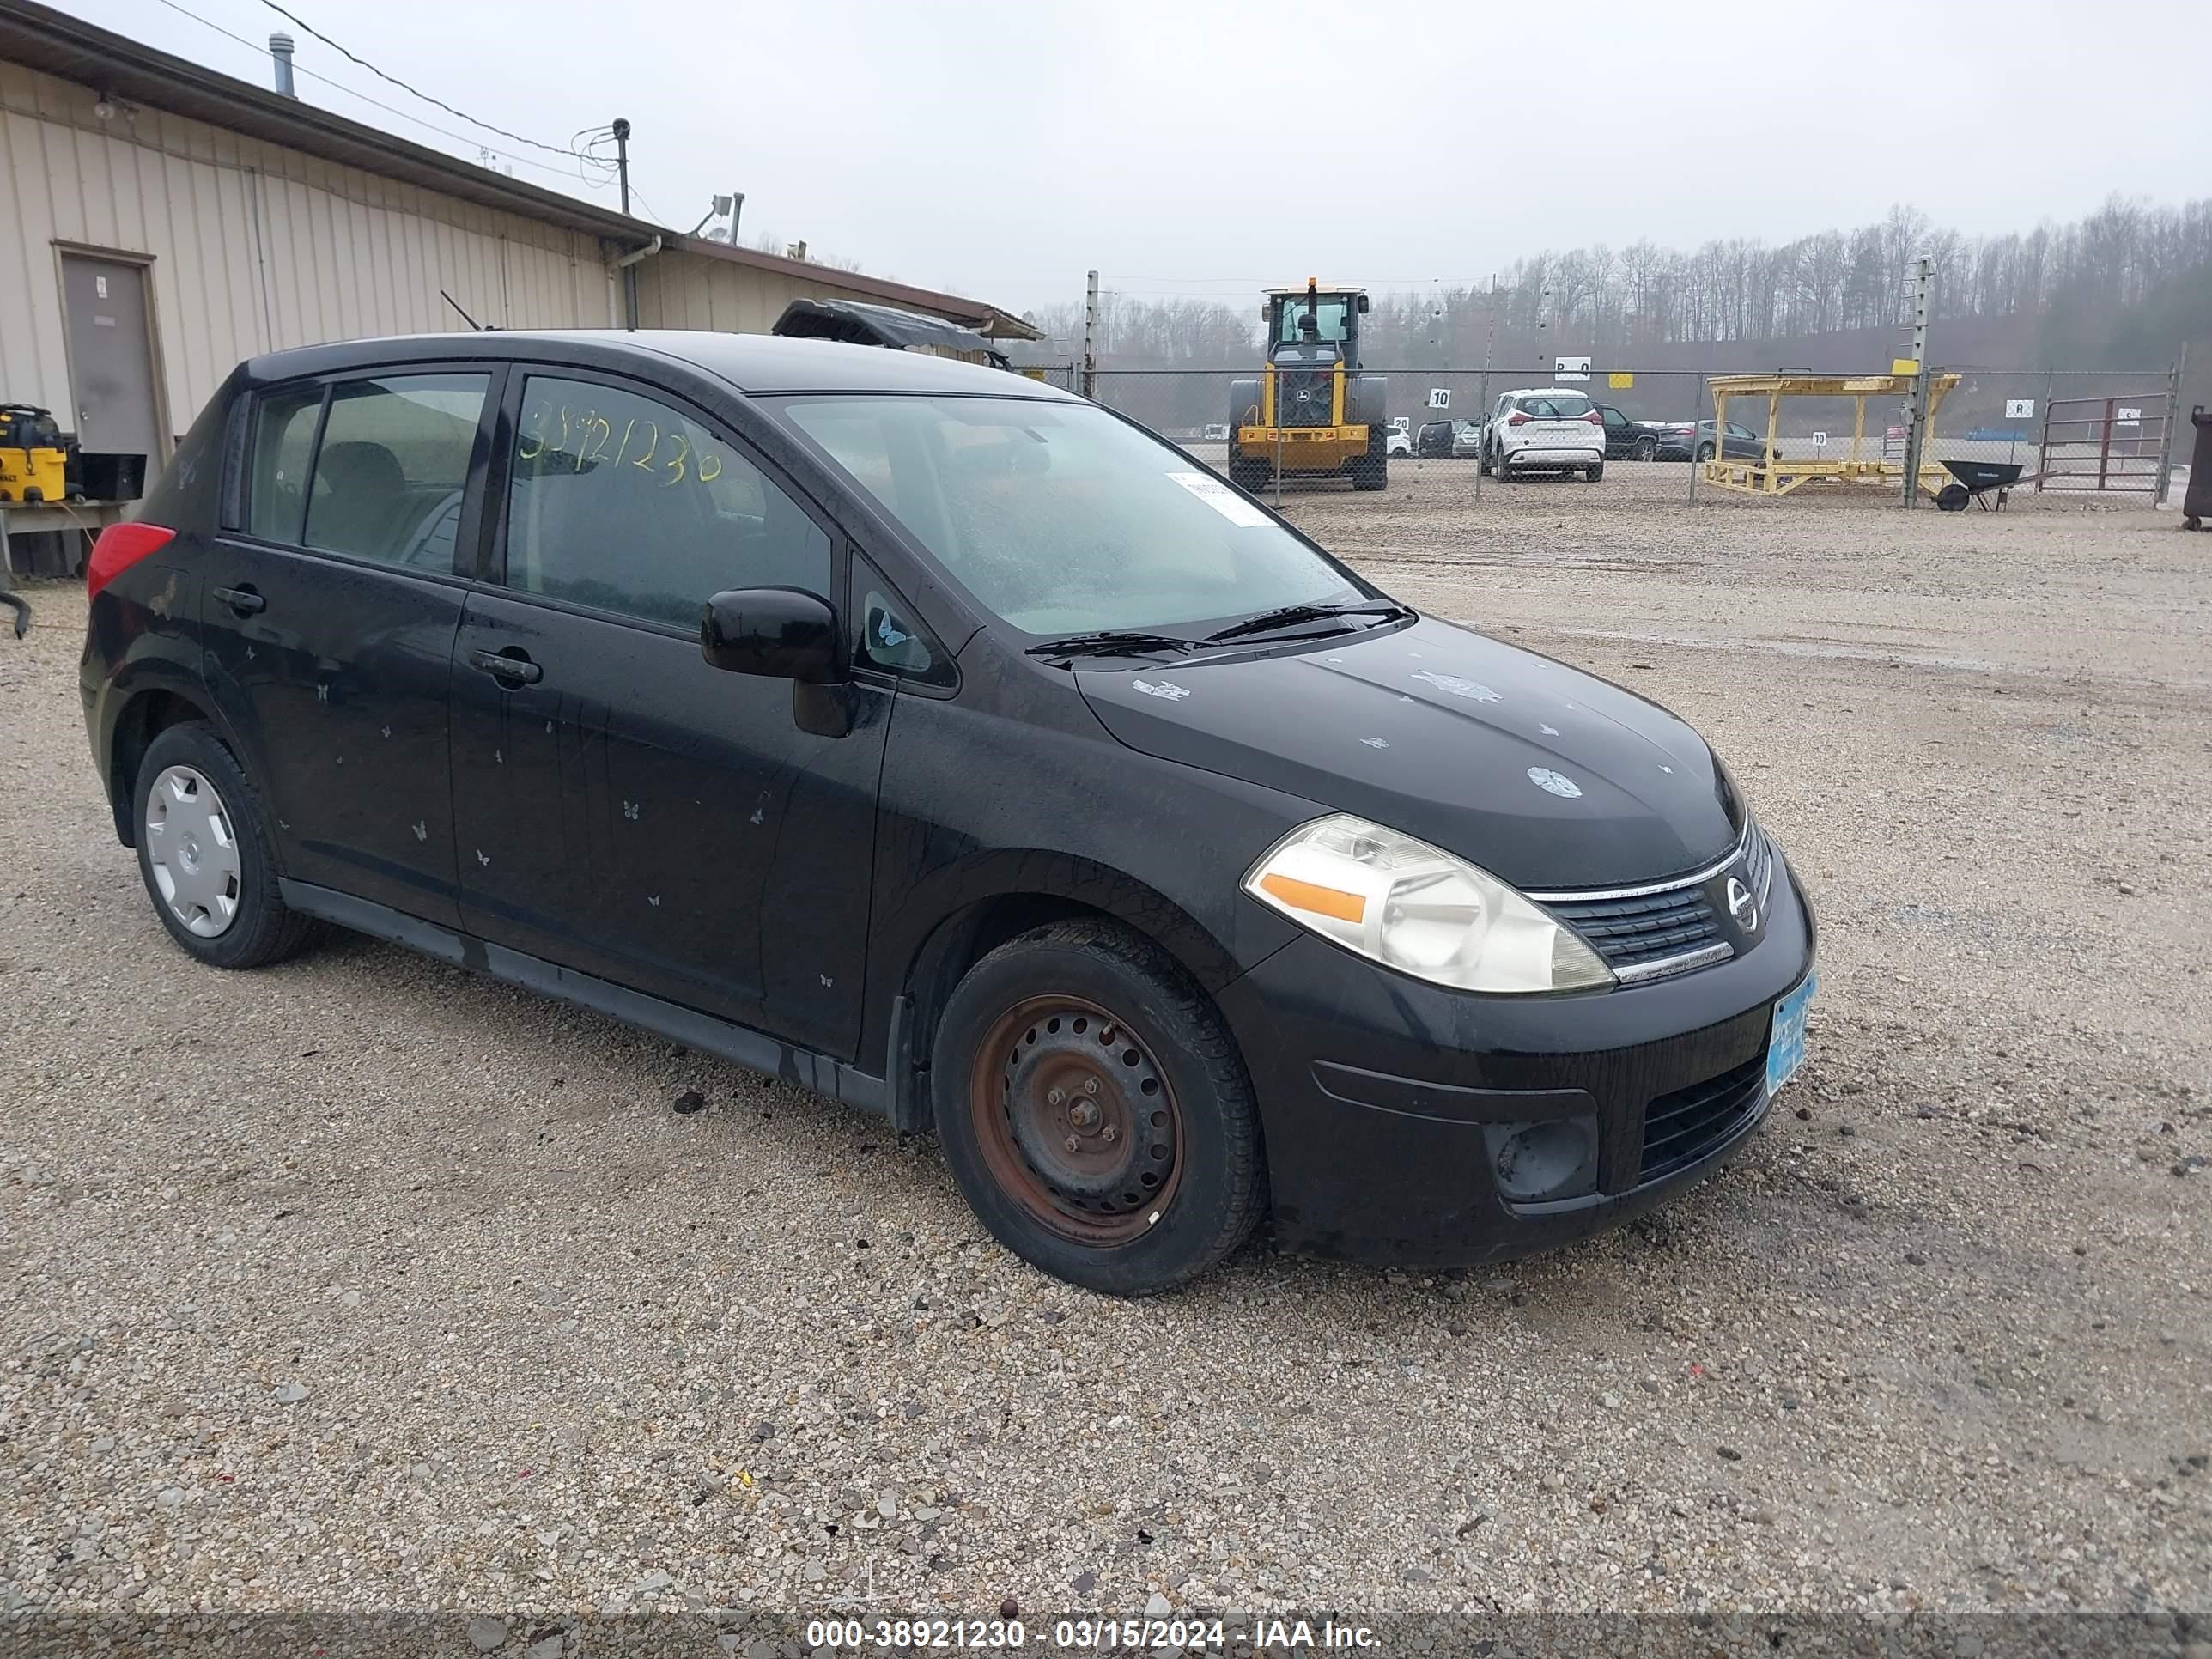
[(1113, 642), (1289, 616)]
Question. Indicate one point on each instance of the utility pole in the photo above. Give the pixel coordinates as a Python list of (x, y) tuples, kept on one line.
[(1090, 337), (1915, 409), (629, 272)]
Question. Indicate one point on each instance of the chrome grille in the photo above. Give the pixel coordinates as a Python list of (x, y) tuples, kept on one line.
[(1669, 927), (1631, 932)]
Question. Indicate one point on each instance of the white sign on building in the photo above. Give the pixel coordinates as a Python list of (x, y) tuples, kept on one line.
[(1573, 368), (1439, 397), (2020, 408)]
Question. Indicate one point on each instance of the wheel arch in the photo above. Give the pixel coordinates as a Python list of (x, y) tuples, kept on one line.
[(143, 716), (974, 920)]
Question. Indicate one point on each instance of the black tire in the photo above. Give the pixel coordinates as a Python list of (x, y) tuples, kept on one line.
[(260, 928), (1189, 1136), (1595, 474), (1372, 470), (1647, 449), (1246, 473), (1705, 451)]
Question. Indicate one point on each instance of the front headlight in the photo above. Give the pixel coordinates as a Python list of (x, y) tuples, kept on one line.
[(1420, 909)]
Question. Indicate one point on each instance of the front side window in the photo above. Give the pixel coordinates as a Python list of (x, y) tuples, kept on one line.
[(391, 467), (283, 444), (625, 503), (1060, 519)]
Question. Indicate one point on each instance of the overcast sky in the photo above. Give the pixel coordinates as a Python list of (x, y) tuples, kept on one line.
[(1193, 147)]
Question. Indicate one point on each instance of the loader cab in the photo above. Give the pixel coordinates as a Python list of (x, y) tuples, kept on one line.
[(1315, 325)]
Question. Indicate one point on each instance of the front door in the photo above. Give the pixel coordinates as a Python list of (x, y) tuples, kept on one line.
[(328, 619), (620, 806), (111, 358)]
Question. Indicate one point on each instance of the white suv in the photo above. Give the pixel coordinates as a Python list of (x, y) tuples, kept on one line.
[(1544, 430)]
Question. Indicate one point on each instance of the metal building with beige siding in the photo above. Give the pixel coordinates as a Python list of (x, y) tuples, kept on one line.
[(160, 222)]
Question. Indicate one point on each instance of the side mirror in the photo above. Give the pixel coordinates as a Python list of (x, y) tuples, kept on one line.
[(778, 633), (1362, 305)]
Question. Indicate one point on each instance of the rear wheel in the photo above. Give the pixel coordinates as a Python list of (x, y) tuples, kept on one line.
[(1096, 1112), (1595, 474), (204, 853), (1245, 472), (1372, 470)]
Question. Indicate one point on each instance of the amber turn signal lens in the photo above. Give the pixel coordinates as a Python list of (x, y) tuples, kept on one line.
[(1308, 896)]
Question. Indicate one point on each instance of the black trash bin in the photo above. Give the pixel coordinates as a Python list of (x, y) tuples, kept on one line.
[(2197, 505)]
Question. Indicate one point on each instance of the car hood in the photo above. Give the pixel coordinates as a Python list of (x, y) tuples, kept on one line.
[(1545, 776)]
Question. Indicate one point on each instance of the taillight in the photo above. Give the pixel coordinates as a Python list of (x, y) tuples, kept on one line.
[(119, 547), (1516, 419), (1595, 418)]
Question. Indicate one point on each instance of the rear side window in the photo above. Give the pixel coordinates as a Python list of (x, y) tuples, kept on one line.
[(624, 503), (283, 444), (392, 468)]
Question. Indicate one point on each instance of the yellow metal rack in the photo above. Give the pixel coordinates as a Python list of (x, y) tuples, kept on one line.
[(1776, 474)]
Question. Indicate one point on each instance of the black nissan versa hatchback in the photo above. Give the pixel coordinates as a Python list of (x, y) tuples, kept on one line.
[(940, 741)]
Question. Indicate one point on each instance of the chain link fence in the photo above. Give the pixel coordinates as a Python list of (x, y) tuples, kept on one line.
[(2065, 430)]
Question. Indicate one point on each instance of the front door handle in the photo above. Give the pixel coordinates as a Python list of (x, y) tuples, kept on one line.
[(512, 666), (243, 600)]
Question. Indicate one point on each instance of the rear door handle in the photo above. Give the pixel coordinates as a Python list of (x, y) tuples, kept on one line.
[(512, 665), (244, 600)]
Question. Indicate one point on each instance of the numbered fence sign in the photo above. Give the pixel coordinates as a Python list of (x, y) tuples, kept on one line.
[(1819, 440), (2127, 417), (2020, 408), (1439, 397), (1573, 368)]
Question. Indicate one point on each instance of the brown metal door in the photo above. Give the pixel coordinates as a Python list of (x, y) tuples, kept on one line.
[(111, 358)]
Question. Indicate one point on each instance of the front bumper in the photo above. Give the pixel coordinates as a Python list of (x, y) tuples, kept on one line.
[(1380, 1096)]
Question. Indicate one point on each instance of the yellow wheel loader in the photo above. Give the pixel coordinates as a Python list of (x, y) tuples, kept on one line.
[(1311, 413)]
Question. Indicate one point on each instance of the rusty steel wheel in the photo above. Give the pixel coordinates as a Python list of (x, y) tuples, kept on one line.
[(1076, 1121), (1095, 1109)]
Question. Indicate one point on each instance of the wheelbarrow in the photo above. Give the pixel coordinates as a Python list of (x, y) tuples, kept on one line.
[(1977, 480)]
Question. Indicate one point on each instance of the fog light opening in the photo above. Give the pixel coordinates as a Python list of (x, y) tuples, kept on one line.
[(1553, 1159)]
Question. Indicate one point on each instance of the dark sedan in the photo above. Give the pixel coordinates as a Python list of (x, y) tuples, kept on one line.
[(1433, 442), (1683, 441), (935, 739)]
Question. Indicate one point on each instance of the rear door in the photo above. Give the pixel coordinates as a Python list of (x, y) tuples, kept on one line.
[(623, 808), (328, 615)]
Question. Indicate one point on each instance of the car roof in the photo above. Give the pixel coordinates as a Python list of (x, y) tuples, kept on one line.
[(751, 362), (1546, 391)]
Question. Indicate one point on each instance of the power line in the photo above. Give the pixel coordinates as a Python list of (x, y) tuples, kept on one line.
[(376, 103), (550, 149)]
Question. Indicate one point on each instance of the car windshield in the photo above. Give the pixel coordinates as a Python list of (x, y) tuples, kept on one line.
[(1060, 519)]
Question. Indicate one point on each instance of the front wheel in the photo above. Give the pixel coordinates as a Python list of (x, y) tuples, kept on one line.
[(1647, 449), (1705, 451), (1096, 1112)]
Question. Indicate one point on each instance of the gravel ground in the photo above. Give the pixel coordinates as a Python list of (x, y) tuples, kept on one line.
[(362, 1284)]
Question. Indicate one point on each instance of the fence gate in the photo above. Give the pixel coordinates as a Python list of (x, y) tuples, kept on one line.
[(2114, 444)]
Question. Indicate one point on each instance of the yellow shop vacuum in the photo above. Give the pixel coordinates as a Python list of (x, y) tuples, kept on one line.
[(34, 460)]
